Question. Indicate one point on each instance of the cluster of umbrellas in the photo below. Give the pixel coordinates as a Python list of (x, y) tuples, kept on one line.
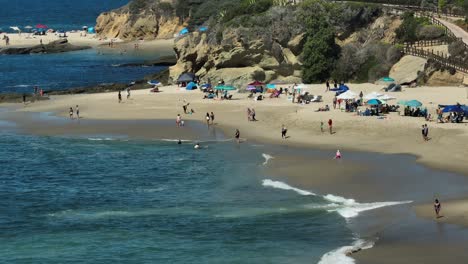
[(373, 98), (225, 87)]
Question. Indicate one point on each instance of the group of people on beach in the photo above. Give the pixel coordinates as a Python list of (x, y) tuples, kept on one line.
[(7, 40), (119, 95), (210, 117), (72, 112)]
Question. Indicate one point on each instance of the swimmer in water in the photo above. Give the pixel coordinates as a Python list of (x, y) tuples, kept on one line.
[(179, 142), (338, 154), (197, 146)]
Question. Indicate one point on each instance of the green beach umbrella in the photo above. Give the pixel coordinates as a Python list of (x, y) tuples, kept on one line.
[(225, 87), (402, 102), (388, 79)]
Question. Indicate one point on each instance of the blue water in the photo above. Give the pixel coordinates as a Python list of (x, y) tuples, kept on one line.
[(56, 14), (77, 200), (20, 73), (62, 71)]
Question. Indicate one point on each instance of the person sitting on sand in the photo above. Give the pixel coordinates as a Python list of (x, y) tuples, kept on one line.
[(437, 208), (338, 154)]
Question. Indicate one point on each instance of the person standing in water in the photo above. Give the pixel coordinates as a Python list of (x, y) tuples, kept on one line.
[(71, 112), (237, 135), (208, 118), (338, 154), (330, 125), (212, 116), (77, 112), (178, 120), (437, 208)]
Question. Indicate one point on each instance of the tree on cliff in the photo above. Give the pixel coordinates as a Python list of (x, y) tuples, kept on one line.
[(320, 49)]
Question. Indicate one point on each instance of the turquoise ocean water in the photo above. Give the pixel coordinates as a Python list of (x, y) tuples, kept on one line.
[(104, 200), (62, 71)]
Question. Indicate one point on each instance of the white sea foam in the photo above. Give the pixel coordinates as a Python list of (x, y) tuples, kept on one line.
[(284, 186), (341, 255), (347, 208), (267, 158), (101, 139)]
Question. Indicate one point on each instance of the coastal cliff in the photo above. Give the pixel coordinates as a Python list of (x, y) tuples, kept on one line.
[(140, 20)]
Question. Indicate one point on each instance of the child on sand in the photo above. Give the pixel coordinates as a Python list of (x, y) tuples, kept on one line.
[(321, 126)]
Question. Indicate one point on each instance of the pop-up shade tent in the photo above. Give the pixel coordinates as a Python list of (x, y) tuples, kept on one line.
[(186, 77), (191, 86), (91, 30), (257, 83), (184, 31)]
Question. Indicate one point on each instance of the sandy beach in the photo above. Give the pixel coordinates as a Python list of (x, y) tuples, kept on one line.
[(79, 39), (392, 134)]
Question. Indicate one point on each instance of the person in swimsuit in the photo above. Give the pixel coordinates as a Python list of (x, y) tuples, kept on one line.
[(212, 116), (120, 97), (71, 113), (179, 142), (208, 118), (178, 119), (197, 146), (437, 207), (237, 135), (284, 130), (330, 125), (423, 132), (77, 112), (338, 154)]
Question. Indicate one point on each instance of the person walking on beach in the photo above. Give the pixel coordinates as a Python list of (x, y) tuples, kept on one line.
[(24, 98), (437, 208), (284, 130), (208, 118), (178, 120), (120, 97), (212, 116), (128, 93), (77, 112), (184, 106), (249, 114), (426, 132), (330, 125), (237, 135), (334, 102), (71, 112), (321, 126), (328, 86), (253, 115), (423, 132)]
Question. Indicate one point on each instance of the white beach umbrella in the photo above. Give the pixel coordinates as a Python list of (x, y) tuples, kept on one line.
[(347, 95), (28, 27), (373, 95), (387, 97), (16, 29)]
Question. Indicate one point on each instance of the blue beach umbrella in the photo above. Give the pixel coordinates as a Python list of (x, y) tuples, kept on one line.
[(388, 79), (413, 103), (225, 87), (183, 31), (453, 108), (203, 29), (374, 102)]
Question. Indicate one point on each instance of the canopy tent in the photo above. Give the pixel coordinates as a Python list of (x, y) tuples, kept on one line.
[(28, 27), (271, 86), (278, 82), (41, 26), (184, 31), (343, 88), (453, 108), (206, 85), (393, 88), (91, 30), (225, 87), (347, 95), (251, 88), (191, 86), (186, 77), (374, 102), (373, 95)]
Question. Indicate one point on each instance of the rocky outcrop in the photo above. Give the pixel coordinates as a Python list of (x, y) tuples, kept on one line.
[(445, 78), (235, 61), (408, 69), (57, 46), (150, 22)]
